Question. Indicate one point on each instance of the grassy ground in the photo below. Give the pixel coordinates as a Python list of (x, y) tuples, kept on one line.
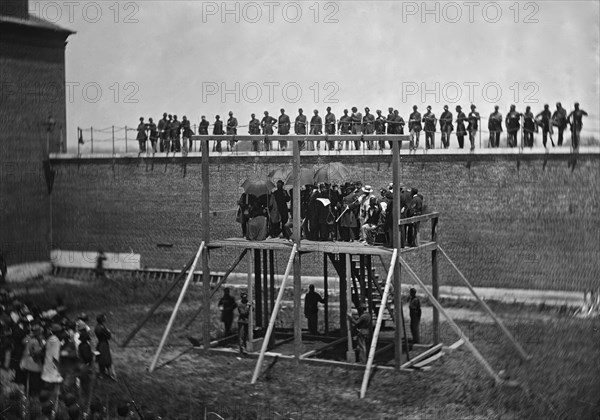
[(562, 380)]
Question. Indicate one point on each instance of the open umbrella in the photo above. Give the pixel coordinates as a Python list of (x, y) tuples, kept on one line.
[(257, 186), (280, 173), (306, 176), (334, 172)]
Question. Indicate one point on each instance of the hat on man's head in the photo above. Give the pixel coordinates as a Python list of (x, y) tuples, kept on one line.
[(367, 189), (428, 106)]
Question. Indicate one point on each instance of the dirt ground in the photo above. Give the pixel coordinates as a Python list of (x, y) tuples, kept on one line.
[(562, 381)]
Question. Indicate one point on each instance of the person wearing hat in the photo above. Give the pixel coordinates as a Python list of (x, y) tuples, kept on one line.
[(446, 126), (368, 126), (356, 125), (495, 127), (267, 129), (559, 119), (227, 305), (397, 127), (175, 135), (461, 131), (33, 359), (380, 121), (345, 127), (311, 309), (414, 310), (367, 193), (103, 335), (281, 197), (163, 128), (362, 326), (142, 136), (330, 128), (391, 128), (529, 127), (543, 120), (50, 369), (187, 134), (372, 214), (300, 126), (414, 208), (513, 124), (283, 128), (203, 126), (347, 219), (575, 119), (231, 128), (218, 131), (429, 121), (254, 130), (473, 126), (316, 127), (243, 320), (151, 126), (415, 127)]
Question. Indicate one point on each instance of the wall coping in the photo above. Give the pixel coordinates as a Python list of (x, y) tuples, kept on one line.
[(535, 153)]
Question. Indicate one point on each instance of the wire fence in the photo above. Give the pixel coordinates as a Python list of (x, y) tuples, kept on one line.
[(118, 140)]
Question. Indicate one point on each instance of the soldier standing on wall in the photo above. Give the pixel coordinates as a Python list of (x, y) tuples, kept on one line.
[(495, 127), (429, 121), (559, 119), (254, 129), (300, 127), (218, 131), (544, 122), (528, 127), (142, 137), (187, 134), (283, 128), (415, 127), (473, 126), (330, 127), (344, 125), (446, 126), (232, 124), (513, 124), (575, 119), (162, 131), (461, 131), (153, 134)]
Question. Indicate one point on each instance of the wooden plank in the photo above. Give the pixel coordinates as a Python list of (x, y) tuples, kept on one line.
[(420, 218), (429, 360), (422, 356)]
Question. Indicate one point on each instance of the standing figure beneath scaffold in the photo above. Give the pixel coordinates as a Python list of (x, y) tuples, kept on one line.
[(243, 318)]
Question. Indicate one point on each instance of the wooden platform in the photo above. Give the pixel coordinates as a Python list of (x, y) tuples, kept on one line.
[(332, 247)]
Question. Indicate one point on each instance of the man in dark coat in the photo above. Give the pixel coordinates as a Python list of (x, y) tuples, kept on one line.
[(397, 126), (281, 197), (300, 126), (544, 121), (103, 335), (461, 131), (203, 126), (348, 221), (473, 126), (414, 127), (163, 130), (227, 305), (528, 127), (363, 326), (559, 119), (380, 121), (153, 134), (513, 124), (316, 127), (283, 128), (391, 128), (267, 128), (430, 129), (311, 309), (344, 125), (218, 131), (330, 127), (414, 308), (142, 137), (356, 125), (446, 126), (495, 127), (367, 230), (176, 135), (415, 208), (369, 126), (186, 127), (243, 320), (254, 129), (232, 124), (575, 119)]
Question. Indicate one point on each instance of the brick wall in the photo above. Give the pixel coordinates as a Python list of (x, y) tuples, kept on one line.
[(32, 74), (530, 221)]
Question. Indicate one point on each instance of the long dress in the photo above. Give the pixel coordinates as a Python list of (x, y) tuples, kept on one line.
[(104, 358)]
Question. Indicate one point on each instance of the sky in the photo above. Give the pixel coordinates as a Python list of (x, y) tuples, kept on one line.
[(142, 58)]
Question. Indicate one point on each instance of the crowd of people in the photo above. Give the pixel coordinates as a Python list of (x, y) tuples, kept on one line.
[(331, 212), (172, 135), (51, 360)]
